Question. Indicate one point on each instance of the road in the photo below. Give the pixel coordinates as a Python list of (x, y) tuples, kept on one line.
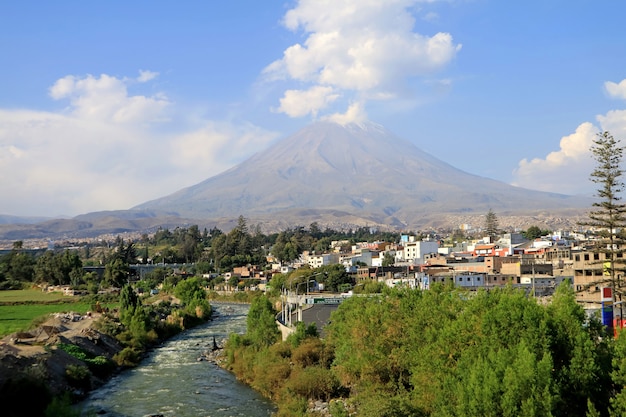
[(318, 314)]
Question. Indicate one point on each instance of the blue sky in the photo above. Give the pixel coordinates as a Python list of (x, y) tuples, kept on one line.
[(106, 105)]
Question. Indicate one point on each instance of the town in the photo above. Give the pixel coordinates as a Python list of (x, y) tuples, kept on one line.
[(471, 257)]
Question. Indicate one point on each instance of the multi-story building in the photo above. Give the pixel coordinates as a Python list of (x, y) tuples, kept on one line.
[(591, 274), (414, 252)]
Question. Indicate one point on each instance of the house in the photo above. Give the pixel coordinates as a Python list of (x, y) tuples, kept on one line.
[(414, 252)]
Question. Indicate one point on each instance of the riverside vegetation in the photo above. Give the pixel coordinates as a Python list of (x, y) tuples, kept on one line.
[(441, 352), (69, 368)]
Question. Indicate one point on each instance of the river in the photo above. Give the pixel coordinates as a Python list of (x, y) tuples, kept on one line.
[(172, 382)]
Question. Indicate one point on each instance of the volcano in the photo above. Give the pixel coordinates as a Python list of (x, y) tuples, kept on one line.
[(361, 170)]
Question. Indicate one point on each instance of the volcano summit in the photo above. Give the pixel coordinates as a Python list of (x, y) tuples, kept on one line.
[(359, 170)]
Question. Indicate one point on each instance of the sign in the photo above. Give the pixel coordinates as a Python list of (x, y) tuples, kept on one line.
[(327, 300), (607, 306), (607, 314)]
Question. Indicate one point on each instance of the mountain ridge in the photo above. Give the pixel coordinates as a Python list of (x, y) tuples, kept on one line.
[(338, 176), (364, 169)]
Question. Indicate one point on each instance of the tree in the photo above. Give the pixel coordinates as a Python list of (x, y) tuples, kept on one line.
[(491, 224), (129, 301), (261, 324), (388, 259), (609, 214), (116, 273), (533, 232)]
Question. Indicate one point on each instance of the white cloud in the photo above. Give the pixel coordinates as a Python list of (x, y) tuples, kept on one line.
[(616, 90), (355, 114), (218, 145), (565, 171), (145, 76), (296, 103), (365, 47), (109, 149), (106, 98)]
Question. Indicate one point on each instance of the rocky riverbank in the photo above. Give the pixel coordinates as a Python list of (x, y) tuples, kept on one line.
[(38, 355)]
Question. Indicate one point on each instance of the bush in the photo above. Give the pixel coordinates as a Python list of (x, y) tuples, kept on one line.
[(308, 353), (128, 357), (270, 372), (313, 383), (78, 376), (61, 407), (99, 365)]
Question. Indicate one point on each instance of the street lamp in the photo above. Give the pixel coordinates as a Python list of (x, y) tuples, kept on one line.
[(287, 305)]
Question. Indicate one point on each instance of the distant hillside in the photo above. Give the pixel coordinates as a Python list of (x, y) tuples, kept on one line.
[(8, 219), (338, 176)]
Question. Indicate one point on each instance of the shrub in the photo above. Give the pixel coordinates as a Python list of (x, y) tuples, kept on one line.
[(308, 353), (78, 376), (127, 357), (293, 407), (270, 372), (313, 383), (61, 407)]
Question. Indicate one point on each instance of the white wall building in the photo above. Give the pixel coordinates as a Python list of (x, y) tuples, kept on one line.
[(414, 251)]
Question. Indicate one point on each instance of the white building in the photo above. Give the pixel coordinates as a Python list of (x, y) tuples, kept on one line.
[(414, 251)]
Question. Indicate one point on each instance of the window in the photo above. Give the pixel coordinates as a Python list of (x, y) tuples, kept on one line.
[(586, 256), (596, 256), (577, 257)]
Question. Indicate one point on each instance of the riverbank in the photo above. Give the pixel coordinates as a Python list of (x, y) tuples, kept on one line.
[(175, 379), (71, 354), (65, 354)]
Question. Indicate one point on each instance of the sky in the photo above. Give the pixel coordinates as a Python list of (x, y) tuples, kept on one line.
[(106, 105)]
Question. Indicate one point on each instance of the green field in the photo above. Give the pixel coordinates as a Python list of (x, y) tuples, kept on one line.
[(32, 295), (19, 317), (19, 308)]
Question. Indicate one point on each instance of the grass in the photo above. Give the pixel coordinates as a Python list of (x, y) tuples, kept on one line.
[(30, 296), (22, 309), (18, 317)]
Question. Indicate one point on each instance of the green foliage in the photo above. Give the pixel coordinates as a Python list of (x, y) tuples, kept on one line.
[(534, 232), (129, 301), (194, 297), (313, 382), (116, 273), (16, 267), (370, 287), (334, 277), (189, 289), (491, 224), (496, 353), (302, 332), (127, 357), (99, 365), (609, 213), (78, 376), (58, 268), (61, 407), (388, 259), (261, 323)]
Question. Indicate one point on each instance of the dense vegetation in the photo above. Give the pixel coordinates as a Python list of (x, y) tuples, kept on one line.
[(440, 352)]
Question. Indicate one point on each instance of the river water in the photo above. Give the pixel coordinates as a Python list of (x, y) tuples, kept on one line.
[(172, 382)]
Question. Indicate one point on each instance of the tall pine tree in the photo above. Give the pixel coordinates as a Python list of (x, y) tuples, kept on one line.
[(608, 216)]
